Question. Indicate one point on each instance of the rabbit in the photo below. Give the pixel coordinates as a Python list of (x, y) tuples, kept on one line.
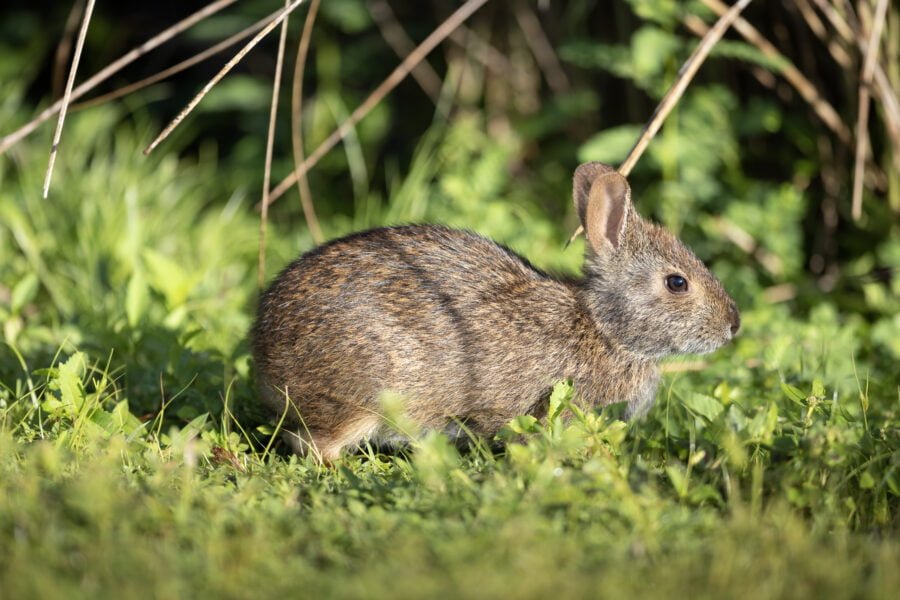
[(470, 334)]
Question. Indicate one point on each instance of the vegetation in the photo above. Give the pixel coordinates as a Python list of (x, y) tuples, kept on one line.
[(135, 463)]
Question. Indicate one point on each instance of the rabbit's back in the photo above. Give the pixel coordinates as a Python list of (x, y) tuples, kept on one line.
[(444, 317)]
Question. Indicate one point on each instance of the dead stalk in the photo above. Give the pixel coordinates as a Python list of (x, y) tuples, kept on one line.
[(481, 50), (883, 87), (837, 21), (792, 74), (862, 129), (306, 200), (541, 48), (175, 69), (282, 15), (396, 38), (743, 240), (67, 97), (383, 89), (64, 48), (25, 130), (817, 27), (698, 27), (270, 145), (685, 76)]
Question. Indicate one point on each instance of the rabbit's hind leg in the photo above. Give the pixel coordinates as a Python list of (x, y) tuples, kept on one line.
[(326, 446)]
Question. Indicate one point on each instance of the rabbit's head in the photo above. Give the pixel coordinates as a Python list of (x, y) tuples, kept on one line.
[(649, 292)]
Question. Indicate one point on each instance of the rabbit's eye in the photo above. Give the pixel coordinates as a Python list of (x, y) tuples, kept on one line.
[(676, 284)]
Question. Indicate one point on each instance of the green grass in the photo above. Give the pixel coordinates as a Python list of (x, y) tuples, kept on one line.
[(133, 462)]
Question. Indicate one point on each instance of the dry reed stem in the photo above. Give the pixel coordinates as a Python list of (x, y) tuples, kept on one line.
[(270, 146), (781, 292), (862, 129), (804, 87), (306, 200), (541, 48), (863, 14), (685, 75), (64, 49), (837, 21), (459, 65), (383, 89), (175, 69), (282, 15), (396, 38), (67, 97), (891, 106), (738, 236), (698, 27), (838, 52), (114, 67), (481, 50), (883, 87)]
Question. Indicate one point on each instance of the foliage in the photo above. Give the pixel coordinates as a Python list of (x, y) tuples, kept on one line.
[(774, 470), (133, 459)]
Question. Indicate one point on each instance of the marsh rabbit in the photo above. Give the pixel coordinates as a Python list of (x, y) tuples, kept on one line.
[(469, 333)]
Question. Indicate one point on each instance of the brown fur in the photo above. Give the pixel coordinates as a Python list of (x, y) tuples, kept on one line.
[(467, 331)]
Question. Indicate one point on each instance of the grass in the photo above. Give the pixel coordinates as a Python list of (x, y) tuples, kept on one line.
[(133, 462)]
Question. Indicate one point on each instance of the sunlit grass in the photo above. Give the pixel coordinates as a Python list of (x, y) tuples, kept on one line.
[(133, 463)]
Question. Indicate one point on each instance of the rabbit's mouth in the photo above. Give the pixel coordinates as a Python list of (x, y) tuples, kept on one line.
[(708, 345)]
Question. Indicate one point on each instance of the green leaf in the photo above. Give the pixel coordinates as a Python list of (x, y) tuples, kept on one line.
[(702, 405), (818, 388), (24, 292), (704, 493), (893, 482), (676, 476), (610, 145), (560, 397), (590, 55), (351, 16), (168, 277), (866, 481), (136, 298), (664, 12), (792, 392), (651, 47), (518, 426), (239, 92), (69, 383), (749, 53), (762, 427), (123, 418), (177, 438)]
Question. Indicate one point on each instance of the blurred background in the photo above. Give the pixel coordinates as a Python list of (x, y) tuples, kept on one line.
[(754, 168)]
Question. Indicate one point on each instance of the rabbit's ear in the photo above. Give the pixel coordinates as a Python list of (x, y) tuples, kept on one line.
[(602, 199)]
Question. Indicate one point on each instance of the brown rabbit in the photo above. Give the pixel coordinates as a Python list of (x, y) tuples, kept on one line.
[(467, 331)]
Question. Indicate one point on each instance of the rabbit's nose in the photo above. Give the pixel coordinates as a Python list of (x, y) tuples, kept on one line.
[(735, 320)]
